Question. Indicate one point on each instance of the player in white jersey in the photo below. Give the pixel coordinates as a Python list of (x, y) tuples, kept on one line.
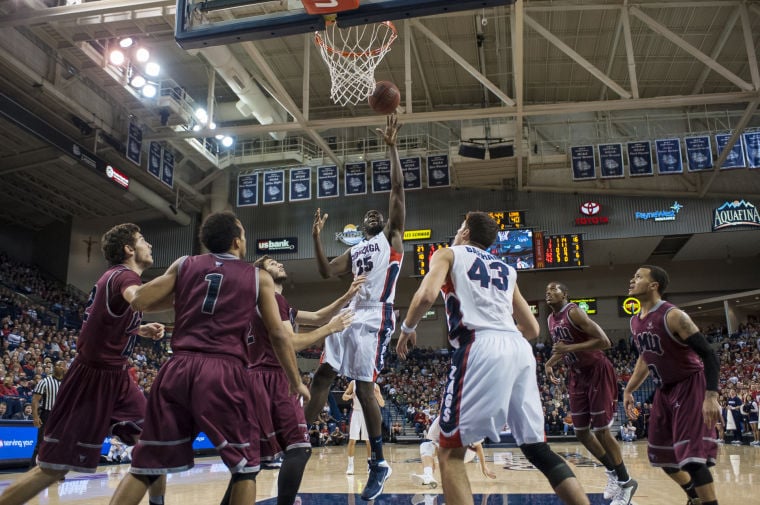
[(489, 324), (378, 257), (357, 429)]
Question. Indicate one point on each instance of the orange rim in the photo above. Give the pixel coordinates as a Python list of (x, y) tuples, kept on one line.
[(318, 40)]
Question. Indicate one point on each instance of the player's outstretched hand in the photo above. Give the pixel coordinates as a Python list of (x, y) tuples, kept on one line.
[(487, 472), (319, 222), (152, 330), (356, 284), (390, 134), (341, 321), (550, 374), (630, 406), (406, 342), (711, 411)]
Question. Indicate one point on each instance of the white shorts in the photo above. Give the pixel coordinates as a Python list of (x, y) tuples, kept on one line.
[(365, 342), (357, 428), (332, 352), (497, 373)]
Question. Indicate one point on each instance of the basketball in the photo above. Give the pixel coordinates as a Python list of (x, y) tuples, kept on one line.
[(385, 98)]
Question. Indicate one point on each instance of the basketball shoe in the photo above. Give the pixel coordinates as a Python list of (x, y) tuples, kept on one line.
[(626, 493), (378, 474)]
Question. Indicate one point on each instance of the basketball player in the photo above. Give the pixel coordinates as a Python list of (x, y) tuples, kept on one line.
[(429, 449), (203, 386), (685, 370), (592, 384), (280, 415), (357, 429), (365, 341), (489, 326), (97, 397)]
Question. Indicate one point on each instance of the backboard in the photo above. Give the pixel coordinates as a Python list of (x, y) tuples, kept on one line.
[(219, 22)]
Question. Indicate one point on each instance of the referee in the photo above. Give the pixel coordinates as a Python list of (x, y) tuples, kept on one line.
[(43, 399)]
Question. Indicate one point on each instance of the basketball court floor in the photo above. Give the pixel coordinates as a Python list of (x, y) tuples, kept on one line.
[(737, 476)]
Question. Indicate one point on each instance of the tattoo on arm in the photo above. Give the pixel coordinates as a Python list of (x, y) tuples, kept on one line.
[(685, 326)]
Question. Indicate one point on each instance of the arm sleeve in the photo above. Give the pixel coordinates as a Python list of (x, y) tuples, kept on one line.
[(699, 343)]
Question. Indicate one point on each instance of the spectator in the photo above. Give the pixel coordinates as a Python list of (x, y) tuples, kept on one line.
[(628, 432), (4, 411), (24, 415)]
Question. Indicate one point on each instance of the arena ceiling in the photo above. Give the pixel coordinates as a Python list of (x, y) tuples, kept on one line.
[(560, 72)]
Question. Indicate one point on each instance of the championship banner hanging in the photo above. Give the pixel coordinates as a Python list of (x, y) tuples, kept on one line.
[(167, 168), (438, 171), (611, 160), (134, 143), (300, 184), (274, 187), (381, 176), (155, 155), (356, 178), (411, 169), (640, 158), (327, 181), (752, 143), (735, 158), (248, 190), (583, 162), (699, 153), (669, 159)]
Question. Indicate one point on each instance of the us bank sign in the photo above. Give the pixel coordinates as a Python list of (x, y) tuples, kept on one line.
[(736, 213)]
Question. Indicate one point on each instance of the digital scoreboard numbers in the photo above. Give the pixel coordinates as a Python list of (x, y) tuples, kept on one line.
[(563, 251), (509, 219), (422, 254)]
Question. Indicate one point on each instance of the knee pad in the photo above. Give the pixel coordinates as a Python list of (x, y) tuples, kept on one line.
[(699, 472), (549, 463), (301, 454), (670, 471), (427, 449), (147, 479), (240, 476)]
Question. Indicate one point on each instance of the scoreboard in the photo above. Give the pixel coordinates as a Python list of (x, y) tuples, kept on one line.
[(422, 254), (509, 219), (563, 250)]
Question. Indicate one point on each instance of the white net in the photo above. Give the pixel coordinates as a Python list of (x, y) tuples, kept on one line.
[(352, 54)]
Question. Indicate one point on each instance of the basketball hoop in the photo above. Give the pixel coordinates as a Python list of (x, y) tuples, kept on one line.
[(352, 54)]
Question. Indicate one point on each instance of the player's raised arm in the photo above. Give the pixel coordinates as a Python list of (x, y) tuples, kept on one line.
[(324, 314), (397, 204), (338, 266), (526, 323), (157, 294)]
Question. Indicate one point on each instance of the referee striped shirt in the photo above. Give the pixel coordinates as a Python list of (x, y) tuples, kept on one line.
[(48, 388)]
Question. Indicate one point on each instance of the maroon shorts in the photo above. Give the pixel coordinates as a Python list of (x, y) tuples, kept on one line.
[(93, 402), (196, 392), (280, 414), (677, 435), (593, 396)]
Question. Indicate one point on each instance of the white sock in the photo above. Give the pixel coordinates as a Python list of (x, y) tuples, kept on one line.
[(428, 471), (351, 460)]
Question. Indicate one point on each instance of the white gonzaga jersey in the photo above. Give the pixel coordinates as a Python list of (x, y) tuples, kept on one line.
[(356, 405), (478, 294), (375, 258)]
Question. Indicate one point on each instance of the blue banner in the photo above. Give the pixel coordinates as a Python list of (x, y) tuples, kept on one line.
[(611, 160), (154, 159), (300, 184), (411, 169), (274, 187), (248, 190), (752, 143), (134, 144), (438, 171), (381, 176), (698, 153), (583, 162), (18, 441), (669, 159), (640, 158), (735, 158), (167, 169), (356, 178), (327, 181)]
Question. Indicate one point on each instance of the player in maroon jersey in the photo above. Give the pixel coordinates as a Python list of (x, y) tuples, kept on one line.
[(592, 385), (685, 370), (279, 413), (203, 386), (97, 396)]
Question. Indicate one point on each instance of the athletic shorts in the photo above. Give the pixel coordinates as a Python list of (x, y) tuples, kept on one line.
[(196, 392), (280, 415), (365, 341), (593, 396), (332, 352), (677, 435), (491, 382), (93, 402), (358, 428)]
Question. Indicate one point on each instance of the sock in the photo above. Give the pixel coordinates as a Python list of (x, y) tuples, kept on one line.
[(607, 462), (156, 500), (428, 471), (351, 461), (376, 444), (689, 488), (622, 472)]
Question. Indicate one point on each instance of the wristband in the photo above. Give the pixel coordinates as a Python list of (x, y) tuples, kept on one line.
[(407, 329)]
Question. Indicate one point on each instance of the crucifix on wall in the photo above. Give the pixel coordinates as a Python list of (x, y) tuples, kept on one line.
[(89, 243)]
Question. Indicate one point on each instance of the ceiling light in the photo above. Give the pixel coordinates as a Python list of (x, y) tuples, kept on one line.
[(153, 69), (126, 42), (142, 55), (227, 141), (201, 115), (212, 126), (149, 91), (116, 57), (137, 81)]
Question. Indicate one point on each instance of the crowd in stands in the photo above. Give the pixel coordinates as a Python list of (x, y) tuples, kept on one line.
[(39, 322)]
